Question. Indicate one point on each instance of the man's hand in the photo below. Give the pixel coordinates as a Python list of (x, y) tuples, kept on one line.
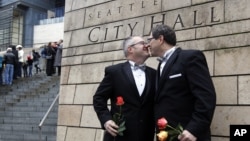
[(111, 127), (186, 136)]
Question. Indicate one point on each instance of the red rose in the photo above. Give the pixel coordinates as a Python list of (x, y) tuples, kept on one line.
[(162, 123), (119, 101)]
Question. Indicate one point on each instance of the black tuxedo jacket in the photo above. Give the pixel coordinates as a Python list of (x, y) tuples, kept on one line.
[(137, 110), (185, 93)]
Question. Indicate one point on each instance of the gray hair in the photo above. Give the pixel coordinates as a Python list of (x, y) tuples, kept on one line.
[(126, 43)]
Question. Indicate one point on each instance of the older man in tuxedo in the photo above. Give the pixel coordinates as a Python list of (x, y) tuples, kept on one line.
[(135, 83), (185, 92)]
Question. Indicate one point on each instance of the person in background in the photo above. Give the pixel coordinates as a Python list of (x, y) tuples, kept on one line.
[(36, 57), (15, 52), (25, 67), (1, 70), (20, 60), (30, 65), (50, 57), (185, 92), (58, 57), (135, 83), (9, 61), (43, 57)]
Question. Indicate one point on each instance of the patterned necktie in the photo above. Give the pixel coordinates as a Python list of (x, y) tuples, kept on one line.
[(141, 66)]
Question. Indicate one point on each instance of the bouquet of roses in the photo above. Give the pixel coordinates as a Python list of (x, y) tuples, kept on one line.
[(118, 118), (166, 130)]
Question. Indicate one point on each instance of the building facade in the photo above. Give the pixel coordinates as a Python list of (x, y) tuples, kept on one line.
[(94, 31), (18, 18)]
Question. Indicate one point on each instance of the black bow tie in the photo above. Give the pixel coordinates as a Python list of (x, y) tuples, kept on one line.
[(141, 66)]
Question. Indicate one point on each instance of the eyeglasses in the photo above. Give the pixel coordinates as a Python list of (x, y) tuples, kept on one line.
[(149, 39), (140, 43)]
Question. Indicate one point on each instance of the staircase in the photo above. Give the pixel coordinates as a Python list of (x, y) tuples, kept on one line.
[(23, 105)]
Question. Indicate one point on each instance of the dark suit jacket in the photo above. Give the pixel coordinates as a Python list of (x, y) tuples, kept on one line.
[(138, 111), (185, 93)]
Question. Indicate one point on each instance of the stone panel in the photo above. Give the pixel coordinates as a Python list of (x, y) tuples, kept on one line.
[(67, 93), (220, 138), (73, 21), (64, 75), (68, 5), (120, 10), (89, 49), (106, 56), (217, 42), (108, 32), (80, 134), (89, 117), (69, 52), (170, 4), (244, 89), (72, 60), (237, 10), (183, 35), (89, 73), (232, 61), (61, 133), (84, 93), (210, 61), (69, 115), (99, 135), (226, 115), (67, 39), (200, 1), (185, 18), (223, 29), (226, 90), (109, 46), (75, 74), (77, 4)]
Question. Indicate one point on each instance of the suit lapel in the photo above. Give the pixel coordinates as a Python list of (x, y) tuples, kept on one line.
[(147, 85), (128, 72), (167, 68)]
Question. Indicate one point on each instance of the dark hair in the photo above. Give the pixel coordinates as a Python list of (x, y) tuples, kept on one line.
[(167, 32)]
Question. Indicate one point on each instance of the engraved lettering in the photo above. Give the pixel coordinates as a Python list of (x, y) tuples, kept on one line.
[(161, 22), (155, 2), (106, 32), (119, 9), (178, 20), (90, 39), (90, 16), (132, 28), (99, 14), (195, 17), (131, 6), (109, 13), (117, 30), (212, 16), (142, 4)]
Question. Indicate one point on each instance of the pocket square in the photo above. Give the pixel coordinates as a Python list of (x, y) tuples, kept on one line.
[(175, 75)]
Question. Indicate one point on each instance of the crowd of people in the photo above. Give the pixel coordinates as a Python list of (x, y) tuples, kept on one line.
[(14, 64)]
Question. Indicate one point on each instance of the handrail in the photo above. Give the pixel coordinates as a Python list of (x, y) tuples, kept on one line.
[(46, 115)]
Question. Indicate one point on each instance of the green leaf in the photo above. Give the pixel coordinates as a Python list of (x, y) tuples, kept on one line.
[(121, 129), (179, 127)]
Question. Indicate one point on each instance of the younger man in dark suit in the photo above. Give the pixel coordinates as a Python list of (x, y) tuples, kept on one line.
[(135, 84), (185, 92)]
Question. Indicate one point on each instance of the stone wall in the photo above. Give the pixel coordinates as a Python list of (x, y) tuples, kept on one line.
[(94, 30)]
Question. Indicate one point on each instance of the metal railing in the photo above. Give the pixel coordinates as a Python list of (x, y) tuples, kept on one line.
[(46, 115)]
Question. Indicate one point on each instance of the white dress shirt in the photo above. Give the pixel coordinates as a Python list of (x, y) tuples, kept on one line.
[(139, 76), (167, 54)]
